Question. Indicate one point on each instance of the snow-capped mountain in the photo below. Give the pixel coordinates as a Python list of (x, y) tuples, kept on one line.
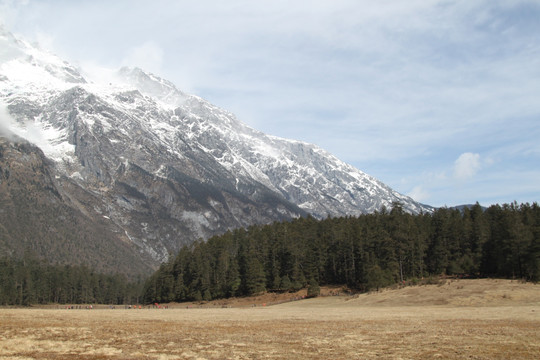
[(165, 167)]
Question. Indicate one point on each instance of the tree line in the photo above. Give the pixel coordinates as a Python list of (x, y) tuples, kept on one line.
[(364, 252), (30, 281)]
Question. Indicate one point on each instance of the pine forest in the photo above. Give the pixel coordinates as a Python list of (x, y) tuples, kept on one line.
[(364, 253)]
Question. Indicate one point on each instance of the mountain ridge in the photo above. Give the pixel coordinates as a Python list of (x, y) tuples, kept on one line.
[(165, 167)]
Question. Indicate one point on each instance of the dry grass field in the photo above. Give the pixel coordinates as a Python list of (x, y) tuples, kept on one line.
[(465, 319)]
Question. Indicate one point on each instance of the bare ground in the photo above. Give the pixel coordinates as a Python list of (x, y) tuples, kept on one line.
[(464, 319)]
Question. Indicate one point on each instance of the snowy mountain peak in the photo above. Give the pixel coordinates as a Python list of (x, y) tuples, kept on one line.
[(30, 66), (158, 162), (153, 86)]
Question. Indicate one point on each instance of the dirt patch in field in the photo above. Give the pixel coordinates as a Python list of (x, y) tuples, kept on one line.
[(265, 299)]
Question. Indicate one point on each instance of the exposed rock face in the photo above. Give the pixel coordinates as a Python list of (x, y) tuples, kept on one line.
[(48, 216), (164, 168)]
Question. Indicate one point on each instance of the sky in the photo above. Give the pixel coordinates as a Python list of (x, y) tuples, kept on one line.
[(439, 99)]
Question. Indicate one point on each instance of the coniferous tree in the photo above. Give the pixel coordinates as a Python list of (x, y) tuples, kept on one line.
[(286, 284), (313, 289)]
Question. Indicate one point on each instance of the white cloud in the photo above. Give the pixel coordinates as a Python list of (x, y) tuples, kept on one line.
[(376, 83), (466, 166), (45, 40), (148, 56), (419, 194), (9, 9), (5, 121), (97, 73)]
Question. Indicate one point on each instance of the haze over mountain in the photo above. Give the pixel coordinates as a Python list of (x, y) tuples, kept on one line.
[(147, 168)]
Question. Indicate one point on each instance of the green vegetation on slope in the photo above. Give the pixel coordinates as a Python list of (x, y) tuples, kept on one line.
[(30, 281)]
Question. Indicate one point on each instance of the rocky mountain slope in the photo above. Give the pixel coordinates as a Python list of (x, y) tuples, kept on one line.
[(37, 216), (161, 168)]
